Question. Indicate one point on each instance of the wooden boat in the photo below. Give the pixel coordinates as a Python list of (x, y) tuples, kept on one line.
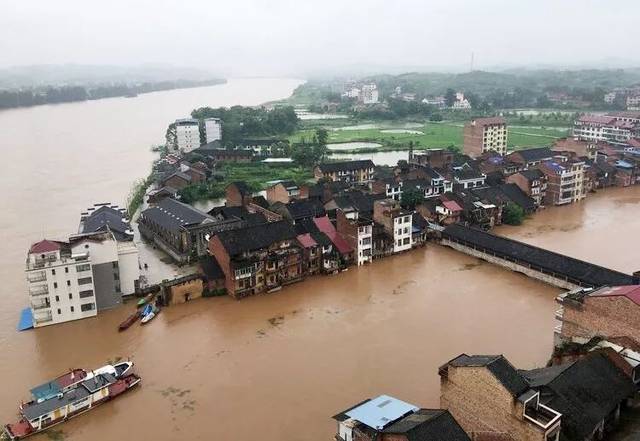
[(126, 324), (98, 387)]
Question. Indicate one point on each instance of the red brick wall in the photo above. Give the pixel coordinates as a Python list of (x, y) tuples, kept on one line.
[(613, 316), (520, 181), (277, 193), (220, 253)]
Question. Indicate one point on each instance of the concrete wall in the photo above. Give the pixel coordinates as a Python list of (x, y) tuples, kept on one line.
[(106, 285), (560, 283)]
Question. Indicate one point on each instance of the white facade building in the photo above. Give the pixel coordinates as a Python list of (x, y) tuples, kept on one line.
[(402, 239), (615, 130), (187, 134), (60, 283), (369, 94), (213, 129)]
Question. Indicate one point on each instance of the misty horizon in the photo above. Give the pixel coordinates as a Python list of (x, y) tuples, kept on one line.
[(256, 38)]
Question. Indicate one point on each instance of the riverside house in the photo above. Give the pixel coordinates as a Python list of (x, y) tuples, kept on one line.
[(360, 171), (258, 258), (385, 418)]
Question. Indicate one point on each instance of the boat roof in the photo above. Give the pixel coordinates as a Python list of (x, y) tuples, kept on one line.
[(83, 390), (54, 387)]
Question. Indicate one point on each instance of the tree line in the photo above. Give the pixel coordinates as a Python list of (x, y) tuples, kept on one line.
[(66, 94)]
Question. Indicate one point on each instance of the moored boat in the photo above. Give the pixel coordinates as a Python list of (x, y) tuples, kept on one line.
[(149, 314), (96, 388), (126, 324)]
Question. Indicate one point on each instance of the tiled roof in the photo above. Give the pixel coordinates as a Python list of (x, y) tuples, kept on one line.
[(428, 425), (325, 226), (255, 237), (490, 121), (452, 205), (596, 119), (330, 167), (306, 240), (586, 393), (535, 154), (632, 292), (174, 215), (105, 218), (586, 273), (44, 246), (504, 372)]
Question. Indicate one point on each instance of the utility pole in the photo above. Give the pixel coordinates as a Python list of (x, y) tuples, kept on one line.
[(471, 68)]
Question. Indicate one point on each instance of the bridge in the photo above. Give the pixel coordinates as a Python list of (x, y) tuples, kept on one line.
[(550, 267)]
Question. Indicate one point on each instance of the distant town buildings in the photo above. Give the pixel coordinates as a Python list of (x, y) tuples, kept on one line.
[(213, 129), (369, 94), (461, 103), (360, 171), (187, 134), (482, 135), (615, 128)]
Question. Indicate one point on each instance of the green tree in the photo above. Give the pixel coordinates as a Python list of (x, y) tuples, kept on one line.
[(322, 136), (512, 214), (411, 197), (450, 97)]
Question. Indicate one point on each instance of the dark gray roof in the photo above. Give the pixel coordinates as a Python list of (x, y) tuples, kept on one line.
[(173, 215), (540, 377), (330, 167), (535, 154), (518, 197), (304, 209), (428, 425), (107, 218), (227, 213), (255, 237), (467, 173), (532, 174), (504, 372), (578, 271), (362, 202), (585, 393)]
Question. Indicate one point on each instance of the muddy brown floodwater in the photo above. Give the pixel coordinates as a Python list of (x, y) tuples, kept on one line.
[(276, 367)]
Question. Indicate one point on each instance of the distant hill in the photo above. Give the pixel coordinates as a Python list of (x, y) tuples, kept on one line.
[(90, 75)]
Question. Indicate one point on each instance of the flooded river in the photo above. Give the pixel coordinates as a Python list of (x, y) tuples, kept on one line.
[(274, 367)]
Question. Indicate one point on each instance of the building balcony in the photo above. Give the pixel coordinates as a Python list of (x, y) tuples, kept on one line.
[(40, 276), (559, 313), (543, 416), (39, 306), (557, 329), (40, 290), (45, 318)]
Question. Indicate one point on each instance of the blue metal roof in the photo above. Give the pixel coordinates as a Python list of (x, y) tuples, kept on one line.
[(26, 319), (381, 411)]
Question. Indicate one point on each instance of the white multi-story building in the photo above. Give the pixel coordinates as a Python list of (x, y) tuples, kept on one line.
[(60, 283), (398, 223), (608, 128), (213, 129), (187, 134), (610, 98), (369, 94), (633, 102)]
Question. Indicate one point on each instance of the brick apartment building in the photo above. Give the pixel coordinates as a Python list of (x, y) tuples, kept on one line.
[(284, 191), (485, 134), (565, 181), (605, 312), (436, 158), (238, 194), (533, 182), (258, 258)]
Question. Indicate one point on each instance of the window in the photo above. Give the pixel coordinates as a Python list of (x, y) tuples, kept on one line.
[(72, 309), (55, 284), (59, 311), (68, 282), (84, 267), (57, 298), (399, 243), (86, 293), (53, 272), (66, 269), (406, 241), (70, 296), (84, 281), (87, 307)]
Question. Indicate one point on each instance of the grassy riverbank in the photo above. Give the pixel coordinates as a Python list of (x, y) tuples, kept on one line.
[(256, 175), (431, 135)]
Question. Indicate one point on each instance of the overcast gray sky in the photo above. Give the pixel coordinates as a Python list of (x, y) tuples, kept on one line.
[(286, 36)]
